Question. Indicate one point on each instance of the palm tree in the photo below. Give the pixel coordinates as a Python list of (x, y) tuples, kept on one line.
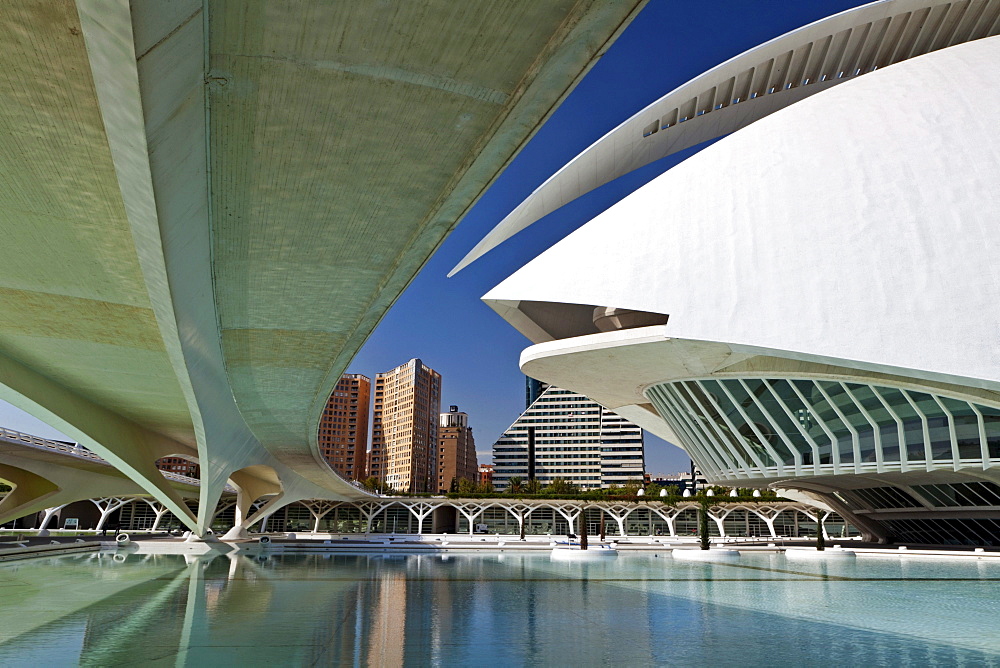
[(514, 485)]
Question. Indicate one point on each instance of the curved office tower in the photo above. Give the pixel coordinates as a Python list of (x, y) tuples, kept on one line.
[(813, 302)]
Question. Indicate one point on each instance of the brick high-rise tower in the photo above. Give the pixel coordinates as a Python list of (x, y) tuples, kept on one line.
[(404, 427), (343, 429), (456, 450)]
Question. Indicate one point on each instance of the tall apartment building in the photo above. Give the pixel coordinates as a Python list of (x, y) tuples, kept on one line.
[(565, 435), (343, 429), (456, 450), (405, 427)]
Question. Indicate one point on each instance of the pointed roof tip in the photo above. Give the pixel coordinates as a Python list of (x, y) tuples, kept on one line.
[(479, 250)]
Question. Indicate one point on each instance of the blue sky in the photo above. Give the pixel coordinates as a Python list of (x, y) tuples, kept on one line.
[(442, 321)]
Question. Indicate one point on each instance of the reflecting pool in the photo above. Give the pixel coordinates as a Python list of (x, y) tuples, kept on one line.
[(495, 609)]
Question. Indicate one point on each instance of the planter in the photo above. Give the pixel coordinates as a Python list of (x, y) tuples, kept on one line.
[(714, 554)]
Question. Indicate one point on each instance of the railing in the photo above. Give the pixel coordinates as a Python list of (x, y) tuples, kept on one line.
[(74, 449), (77, 450)]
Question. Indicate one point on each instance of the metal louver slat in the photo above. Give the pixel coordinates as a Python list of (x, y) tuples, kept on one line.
[(933, 25), (870, 52), (817, 56), (835, 60), (894, 37), (950, 24), (968, 22), (854, 50)]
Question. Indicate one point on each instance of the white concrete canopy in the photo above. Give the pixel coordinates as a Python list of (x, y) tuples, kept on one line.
[(208, 206), (790, 236), (751, 86), (828, 283)]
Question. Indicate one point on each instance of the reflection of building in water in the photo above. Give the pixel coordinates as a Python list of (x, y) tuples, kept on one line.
[(388, 623)]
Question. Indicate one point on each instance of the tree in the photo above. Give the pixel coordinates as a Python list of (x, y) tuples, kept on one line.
[(820, 540), (560, 486), (485, 488), (514, 485), (466, 486), (703, 523), (453, 487), (533, 486)]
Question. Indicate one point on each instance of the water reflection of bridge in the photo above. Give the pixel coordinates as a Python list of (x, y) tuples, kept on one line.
[(219, 609)]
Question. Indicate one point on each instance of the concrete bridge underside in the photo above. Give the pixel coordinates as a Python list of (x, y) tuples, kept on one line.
[(209, 205)]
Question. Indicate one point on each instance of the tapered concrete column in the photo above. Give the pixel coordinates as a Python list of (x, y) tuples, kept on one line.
[(251, 483), (160, 512), (49, 514), (718, 522), (420, 511), (246, 519), (109, 506)]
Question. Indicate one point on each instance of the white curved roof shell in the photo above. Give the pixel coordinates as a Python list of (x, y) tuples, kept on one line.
[(753, 85), (860, 224)]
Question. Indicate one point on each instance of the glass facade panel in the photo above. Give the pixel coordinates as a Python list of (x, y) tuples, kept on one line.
[(852, 412), (913, 429), (885, 423), (683, 429), (991, 422), (946, 531), (937, 424), (804, 414), (706, 425), (744, 430), (763, 424), (966, 428), (699, 398), (780, 418), (748, 421), (825, 412)]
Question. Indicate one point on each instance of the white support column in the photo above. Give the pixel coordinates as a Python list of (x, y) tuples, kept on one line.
[(471, 517), (49, 514), (666, 517), (570, 516), (718, 522), (620, 519), (159, 516), (107, 506), (420, 511)]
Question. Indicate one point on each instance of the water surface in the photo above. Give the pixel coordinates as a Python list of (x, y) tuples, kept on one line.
[(496, 610)]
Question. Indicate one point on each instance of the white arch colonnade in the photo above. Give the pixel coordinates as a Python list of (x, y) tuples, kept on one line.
[(389, 516)]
